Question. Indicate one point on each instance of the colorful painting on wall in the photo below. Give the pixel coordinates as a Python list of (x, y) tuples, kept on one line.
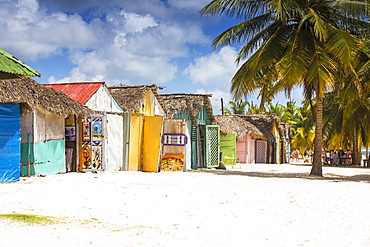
[(86, 157), (172, 162), (86, 131), (96, 161), (92, 145), (97, 131)]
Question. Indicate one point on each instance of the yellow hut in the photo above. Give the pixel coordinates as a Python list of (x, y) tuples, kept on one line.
[(144, 125)]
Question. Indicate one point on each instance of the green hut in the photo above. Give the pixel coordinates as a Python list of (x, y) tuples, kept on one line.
[(234, 129)]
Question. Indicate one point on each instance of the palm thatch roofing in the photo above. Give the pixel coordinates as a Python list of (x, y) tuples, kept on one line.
[(13, 68), (30, 93), (189, 103), (231, 124), (132, 98), (265, 122)]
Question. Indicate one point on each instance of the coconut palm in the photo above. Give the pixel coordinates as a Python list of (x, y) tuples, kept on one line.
[(254, 109), (238, 107), (303, 127), (348, 112), (294, 42)]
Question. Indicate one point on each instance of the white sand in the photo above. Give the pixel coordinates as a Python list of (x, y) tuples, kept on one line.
[(259, 205)]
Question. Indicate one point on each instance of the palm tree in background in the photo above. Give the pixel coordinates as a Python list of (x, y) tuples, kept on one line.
[(347, 113), (308, 43), (303, 127), (238, 107)]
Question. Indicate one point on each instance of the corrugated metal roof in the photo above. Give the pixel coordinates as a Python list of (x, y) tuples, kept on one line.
[(80, 92), (11, 65)]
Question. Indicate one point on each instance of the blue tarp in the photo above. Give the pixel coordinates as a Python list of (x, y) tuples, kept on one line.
[(10, 141)]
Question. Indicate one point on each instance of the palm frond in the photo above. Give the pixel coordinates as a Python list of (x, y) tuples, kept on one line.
[(352, 9), (319, 25), (242, 32), (295, 63), (258, 39), (243, 9), (343, 45)]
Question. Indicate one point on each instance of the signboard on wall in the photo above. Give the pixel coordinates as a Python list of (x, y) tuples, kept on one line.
[(92, 146), (172, 162), (174, 139)]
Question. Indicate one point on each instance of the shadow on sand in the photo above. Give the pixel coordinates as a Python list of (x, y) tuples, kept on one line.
[(271, 174)]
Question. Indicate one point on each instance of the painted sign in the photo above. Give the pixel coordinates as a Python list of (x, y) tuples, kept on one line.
[(86, 131), (96, 162), (172, 162), (92, 146), (97, 131), (86, 157), (174, 139)]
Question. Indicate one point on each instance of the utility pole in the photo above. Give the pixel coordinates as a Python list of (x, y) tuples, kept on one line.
[(222, 106)]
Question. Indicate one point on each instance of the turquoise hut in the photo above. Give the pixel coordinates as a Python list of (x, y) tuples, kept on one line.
[(196, 109), (33, 117)]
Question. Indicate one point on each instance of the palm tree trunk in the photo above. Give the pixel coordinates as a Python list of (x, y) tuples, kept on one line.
[(356, 156), (317, 159)]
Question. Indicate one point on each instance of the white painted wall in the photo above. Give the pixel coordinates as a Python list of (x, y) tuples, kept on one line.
[(114, 147), (158, 110), (43, 125), (102, 100)]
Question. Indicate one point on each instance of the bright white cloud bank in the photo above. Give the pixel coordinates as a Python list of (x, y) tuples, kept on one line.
[(215, 69), (123, 47), (138, 42)]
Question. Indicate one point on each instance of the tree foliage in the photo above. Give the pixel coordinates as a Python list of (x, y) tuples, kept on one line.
[(313, 44)]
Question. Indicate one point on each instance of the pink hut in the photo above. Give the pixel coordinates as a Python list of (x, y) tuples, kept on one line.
[(252, 147), (273, 145)]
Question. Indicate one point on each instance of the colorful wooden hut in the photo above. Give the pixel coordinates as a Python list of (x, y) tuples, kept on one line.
[(144, 124), (196, 109), (97, 140), (32, 133), (267, 151), (237, 140)]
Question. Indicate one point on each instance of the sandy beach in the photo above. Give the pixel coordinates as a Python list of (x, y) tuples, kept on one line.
[(250, 205)]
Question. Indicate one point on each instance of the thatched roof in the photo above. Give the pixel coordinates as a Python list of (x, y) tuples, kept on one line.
[(230, 124), (264, 122), (13, 68), (131, 98), (190, 103), (31, 93)]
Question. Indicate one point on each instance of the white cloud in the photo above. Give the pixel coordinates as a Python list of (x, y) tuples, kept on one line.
[(215, 69), (123, 47), (115, 66), (217, 95), (32, 33)]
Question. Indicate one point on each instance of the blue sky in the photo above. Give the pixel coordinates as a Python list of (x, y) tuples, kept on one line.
[(128, 42)]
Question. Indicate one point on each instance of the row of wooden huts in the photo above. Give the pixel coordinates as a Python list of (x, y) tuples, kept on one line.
[(74, 127)]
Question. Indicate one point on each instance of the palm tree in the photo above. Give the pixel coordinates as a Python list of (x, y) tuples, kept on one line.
[(254, 109), (303, 127), (278, 109), (291, 43), (348, 112), (238, 107)]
